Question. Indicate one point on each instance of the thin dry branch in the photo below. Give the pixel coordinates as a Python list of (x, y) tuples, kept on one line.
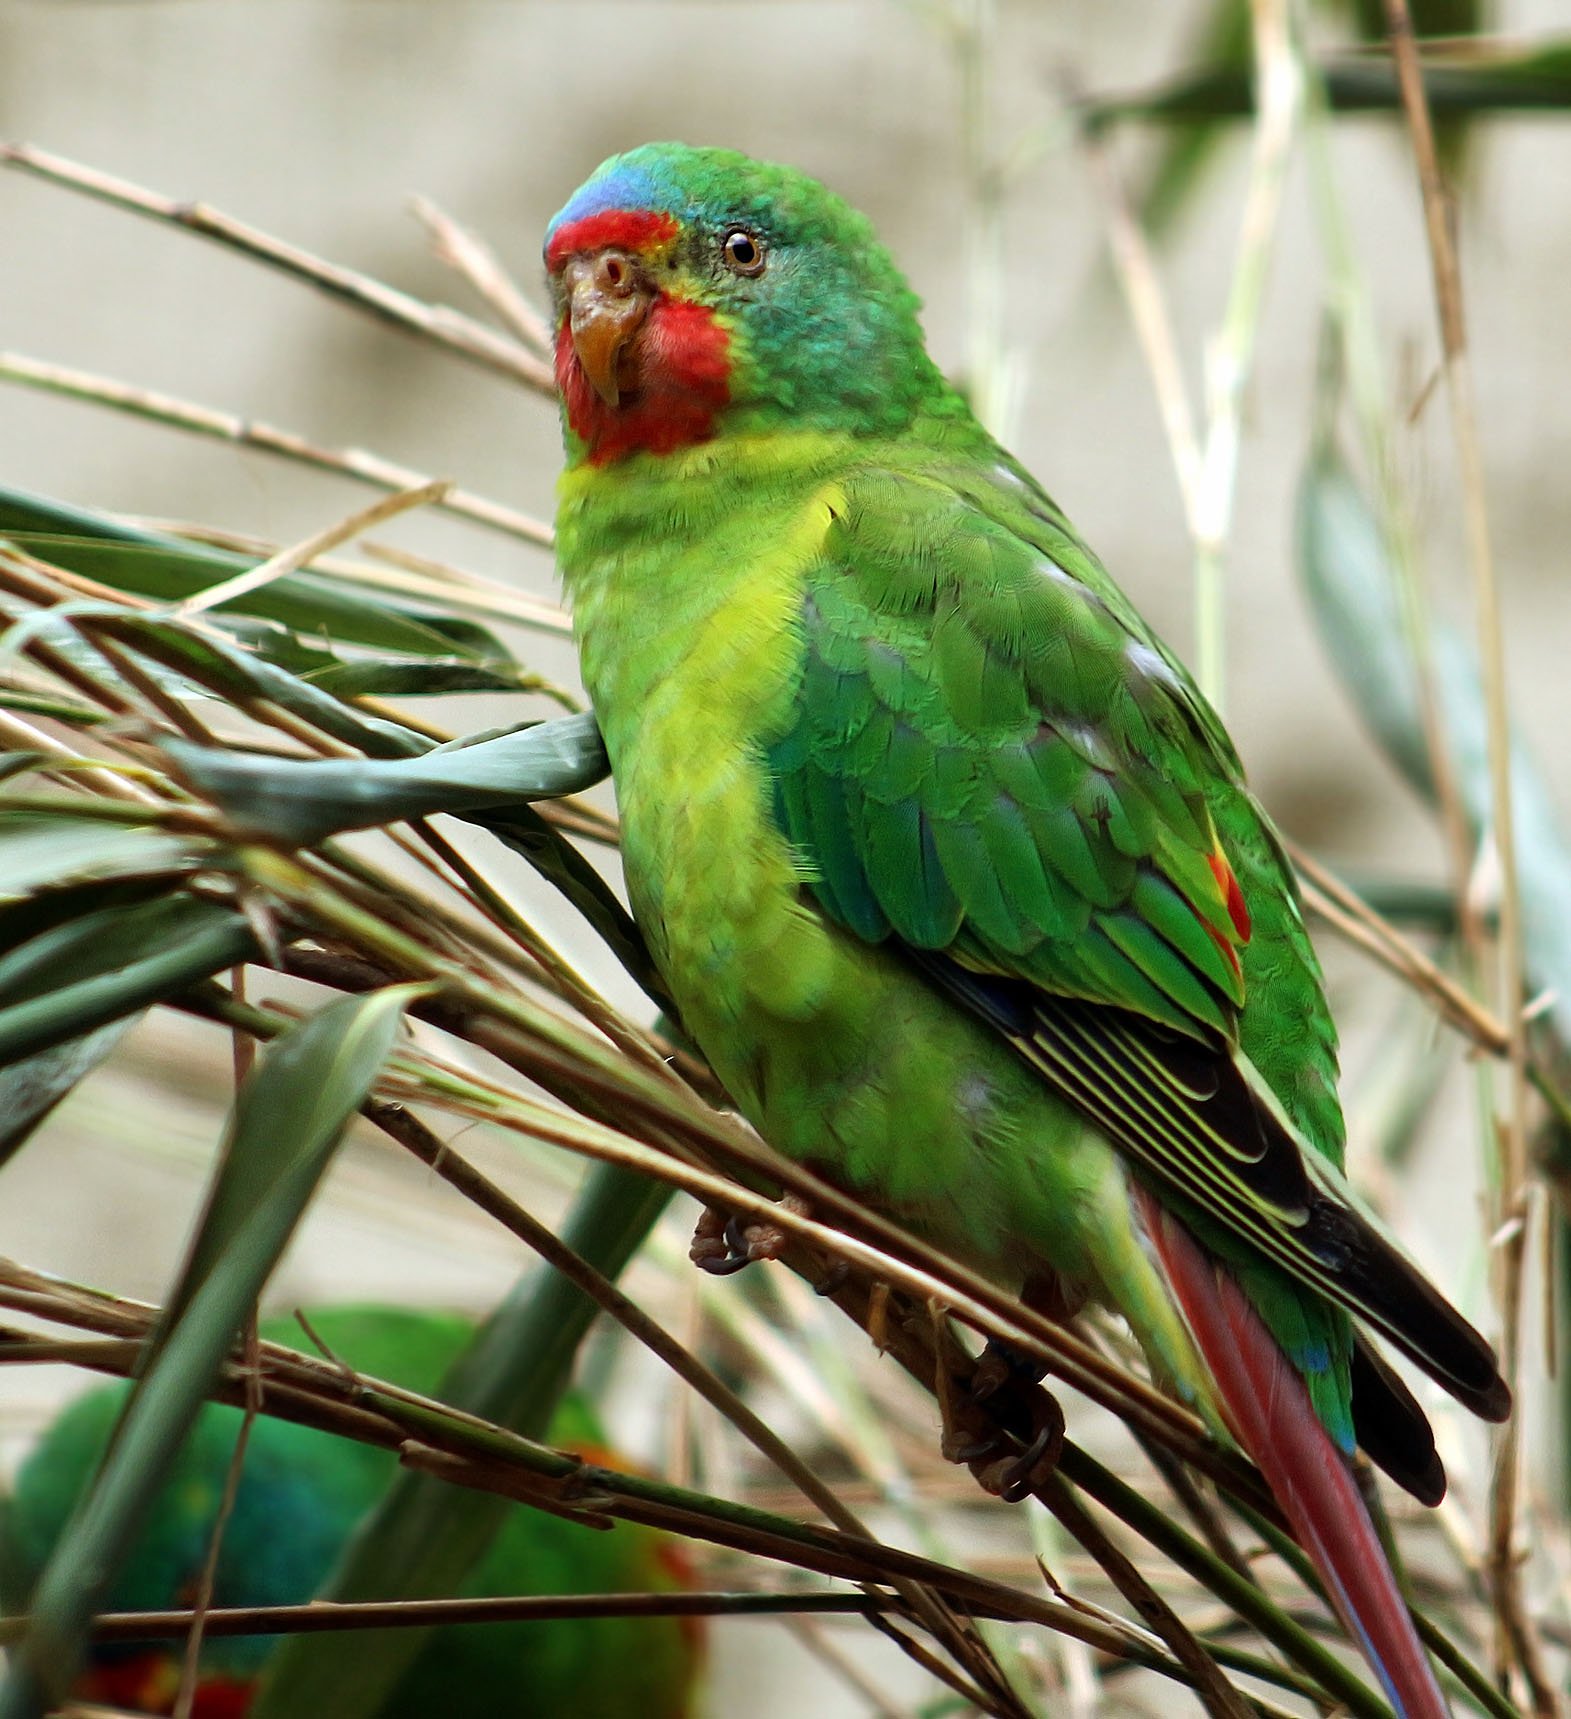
[(332, 1617), (1326, 894), (474, 1453), (353, 463), (1136, 271), (66, 764), (459, 588), (1218, 1696), (1517, 1637), (202, 1604), (966, 1648), (438, 323), (287, 561), (481, 267)]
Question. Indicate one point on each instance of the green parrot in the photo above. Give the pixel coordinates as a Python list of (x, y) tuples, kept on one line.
[(301, 1494), (949, 867)]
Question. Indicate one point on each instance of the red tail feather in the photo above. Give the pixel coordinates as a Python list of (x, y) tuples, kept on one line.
[(1268, 1406)]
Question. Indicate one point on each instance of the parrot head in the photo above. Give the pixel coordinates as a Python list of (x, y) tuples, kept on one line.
[(695, 289)]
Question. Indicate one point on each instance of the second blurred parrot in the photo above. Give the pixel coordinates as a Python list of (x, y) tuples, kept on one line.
[(301, 1494)]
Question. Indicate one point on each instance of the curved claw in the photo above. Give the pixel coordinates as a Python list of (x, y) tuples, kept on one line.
[(1021, 1475), (737, 1256), (724, 1244), (723, 1265), (1020, 1478), (719, 1244)]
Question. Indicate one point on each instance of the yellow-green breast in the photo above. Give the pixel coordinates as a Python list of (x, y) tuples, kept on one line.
[(686, 586)]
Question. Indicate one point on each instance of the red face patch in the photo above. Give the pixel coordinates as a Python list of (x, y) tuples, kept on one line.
[(628, 229), (149, 1682), (683, 365)]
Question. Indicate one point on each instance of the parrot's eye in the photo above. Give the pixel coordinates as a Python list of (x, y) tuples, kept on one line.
[(743, 253)]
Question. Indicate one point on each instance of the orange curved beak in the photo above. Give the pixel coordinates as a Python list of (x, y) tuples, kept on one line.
[(607, 301)]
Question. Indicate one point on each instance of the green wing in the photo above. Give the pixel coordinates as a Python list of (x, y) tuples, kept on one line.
[(988, 762), (993, 763)]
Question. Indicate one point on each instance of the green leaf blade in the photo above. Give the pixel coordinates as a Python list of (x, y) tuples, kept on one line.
[(284, 1130)]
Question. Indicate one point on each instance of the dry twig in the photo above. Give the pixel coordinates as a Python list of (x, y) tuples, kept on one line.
[(439, 323), (1517, 1638)]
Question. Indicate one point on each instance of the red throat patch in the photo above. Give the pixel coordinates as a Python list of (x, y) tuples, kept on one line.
[(684, 369)]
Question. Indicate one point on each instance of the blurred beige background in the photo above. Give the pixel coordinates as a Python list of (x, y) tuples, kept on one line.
[(316, 119)]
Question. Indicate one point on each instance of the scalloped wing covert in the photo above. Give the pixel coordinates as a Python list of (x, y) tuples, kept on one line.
[(987, 761)]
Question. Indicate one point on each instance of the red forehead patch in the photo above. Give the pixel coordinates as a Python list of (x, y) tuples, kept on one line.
[(631, 229)]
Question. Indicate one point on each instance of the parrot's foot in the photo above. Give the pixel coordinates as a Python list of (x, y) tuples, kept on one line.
[(723, 1244), (1017, 1475), (968, 1436), (974, 1432), (1046, 1292), (1000, 1424), (999, 1365)]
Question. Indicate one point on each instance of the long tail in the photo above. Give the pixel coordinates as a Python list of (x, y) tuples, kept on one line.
[(1268, 1405)]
